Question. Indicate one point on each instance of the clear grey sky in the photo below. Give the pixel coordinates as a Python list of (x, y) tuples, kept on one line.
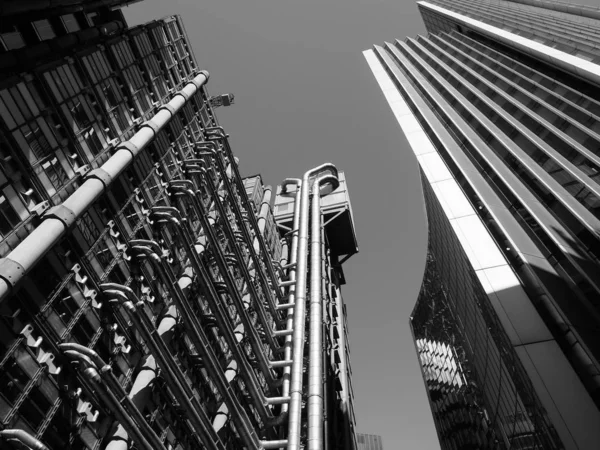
[(304, 96)]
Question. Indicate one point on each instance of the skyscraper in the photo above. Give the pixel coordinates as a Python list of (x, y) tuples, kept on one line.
[(499, 103), (147, 297)]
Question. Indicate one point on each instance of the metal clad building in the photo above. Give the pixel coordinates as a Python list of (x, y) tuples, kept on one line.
[(146, 295), (500, 104)]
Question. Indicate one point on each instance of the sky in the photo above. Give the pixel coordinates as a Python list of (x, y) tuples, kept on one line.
[(304, 95)]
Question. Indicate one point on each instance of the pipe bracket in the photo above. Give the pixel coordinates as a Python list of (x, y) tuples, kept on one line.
[(100, 175), (62, 213), (11, 271), (128, 146), (167, 107), (150, 124), (185, 95)]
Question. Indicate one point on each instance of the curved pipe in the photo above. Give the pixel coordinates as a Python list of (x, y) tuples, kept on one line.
[(223, 321), (24, 438), (262, 314), (50, 231), (315, 368), (295, 408), (201, 343), (170, 369), (246, 204), (185, 187), (212, 150), (137, 430), (293, 260)]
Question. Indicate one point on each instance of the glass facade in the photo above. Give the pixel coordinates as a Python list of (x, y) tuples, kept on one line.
[(64, 118), (499, 103), (480, 395)]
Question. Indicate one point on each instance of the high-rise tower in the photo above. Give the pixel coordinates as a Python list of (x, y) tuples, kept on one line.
[(500, 104), (147, 299)]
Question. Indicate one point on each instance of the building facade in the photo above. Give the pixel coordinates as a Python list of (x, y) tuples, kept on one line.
[(27, 23), (146, 294), (369, 442), (499, 104)]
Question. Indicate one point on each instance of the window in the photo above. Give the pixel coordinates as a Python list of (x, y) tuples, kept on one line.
[(44, 30), (12, 40), (38, 144), (8, 216), (70, 23)]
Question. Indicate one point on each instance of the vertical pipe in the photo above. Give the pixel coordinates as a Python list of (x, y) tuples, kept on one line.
[(325, 328), (295, 408), (315, 367), (288, 354)]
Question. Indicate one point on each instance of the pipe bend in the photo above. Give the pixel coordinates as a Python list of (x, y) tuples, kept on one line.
[(324, 179), (25, 438), (177, 183), (146, 252), (126, 290), (168, 217), (319, 169), (146, 243), (78, 351), (80, 357), (167, 210), (121, 298)]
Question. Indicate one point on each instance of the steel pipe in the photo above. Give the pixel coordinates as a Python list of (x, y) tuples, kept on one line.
[(315, 358), (127, 417), (262, 314), (169, 367), (294, 421), (212, 150), (172, 215), (185, 187), (23, 437), (291, 298), (219, 134), (55, 224), (202, 345), (274, 444)]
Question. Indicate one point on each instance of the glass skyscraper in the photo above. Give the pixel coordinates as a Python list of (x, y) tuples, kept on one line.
[(500, 104), (148, 291)]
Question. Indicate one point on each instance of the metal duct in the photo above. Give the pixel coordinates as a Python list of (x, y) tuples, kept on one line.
[(186, 187), (58, 219), (315, 358), (293, 260), (198, 338), (169, 368), (299, 310), (112, 394), (24, 438), (172, 215)]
